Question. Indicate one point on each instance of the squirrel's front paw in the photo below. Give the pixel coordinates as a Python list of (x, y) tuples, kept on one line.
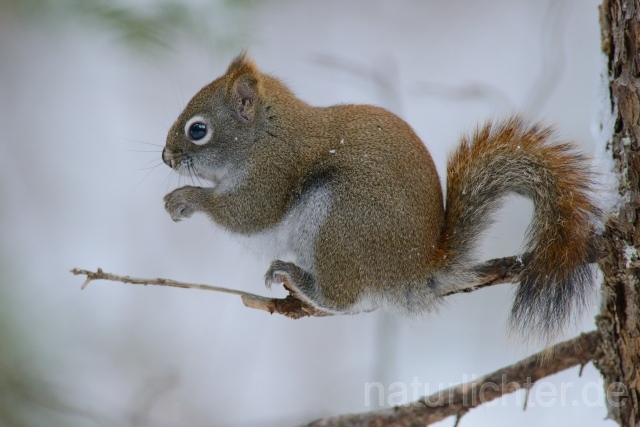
[(181, 202)]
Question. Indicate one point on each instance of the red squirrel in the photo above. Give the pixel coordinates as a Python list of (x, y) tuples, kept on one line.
[(347, 201)]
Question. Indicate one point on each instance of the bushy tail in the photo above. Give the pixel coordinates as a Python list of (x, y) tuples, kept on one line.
[(514, 156)]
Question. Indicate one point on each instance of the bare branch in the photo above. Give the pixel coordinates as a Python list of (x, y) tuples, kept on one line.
[(493, 272), (458, 400), (290, 306), (101, 275)]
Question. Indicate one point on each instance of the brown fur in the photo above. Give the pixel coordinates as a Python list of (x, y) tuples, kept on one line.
[(386, 236)]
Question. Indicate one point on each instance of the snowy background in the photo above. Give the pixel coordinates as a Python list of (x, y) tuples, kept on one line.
[(87, 93)]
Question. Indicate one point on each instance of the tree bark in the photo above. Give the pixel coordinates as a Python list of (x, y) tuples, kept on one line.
[(619, 319)]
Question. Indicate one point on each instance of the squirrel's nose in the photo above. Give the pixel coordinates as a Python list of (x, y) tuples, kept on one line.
[(167, 158)]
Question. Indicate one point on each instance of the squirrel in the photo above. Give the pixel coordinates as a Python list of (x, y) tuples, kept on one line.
[(347, 201)]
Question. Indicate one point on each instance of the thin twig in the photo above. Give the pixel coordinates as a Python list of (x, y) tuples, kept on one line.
[(461, 398), (101, 275), (493, 272), (290, 306)]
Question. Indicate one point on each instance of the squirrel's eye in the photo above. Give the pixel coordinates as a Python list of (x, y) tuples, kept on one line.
[(197, 131)]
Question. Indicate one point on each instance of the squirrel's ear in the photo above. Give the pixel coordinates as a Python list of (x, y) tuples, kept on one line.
[(237, 62), (245, 93), (245, 86)]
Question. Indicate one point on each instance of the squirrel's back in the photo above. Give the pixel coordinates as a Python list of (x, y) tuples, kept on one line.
[(387, 212)]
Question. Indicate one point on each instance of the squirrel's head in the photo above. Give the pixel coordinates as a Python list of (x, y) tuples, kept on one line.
[(214, 135)]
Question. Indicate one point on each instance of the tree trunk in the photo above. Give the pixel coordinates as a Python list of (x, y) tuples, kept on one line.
[(619, 319)]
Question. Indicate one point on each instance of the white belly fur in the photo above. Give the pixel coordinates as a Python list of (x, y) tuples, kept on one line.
[(293, 238)]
